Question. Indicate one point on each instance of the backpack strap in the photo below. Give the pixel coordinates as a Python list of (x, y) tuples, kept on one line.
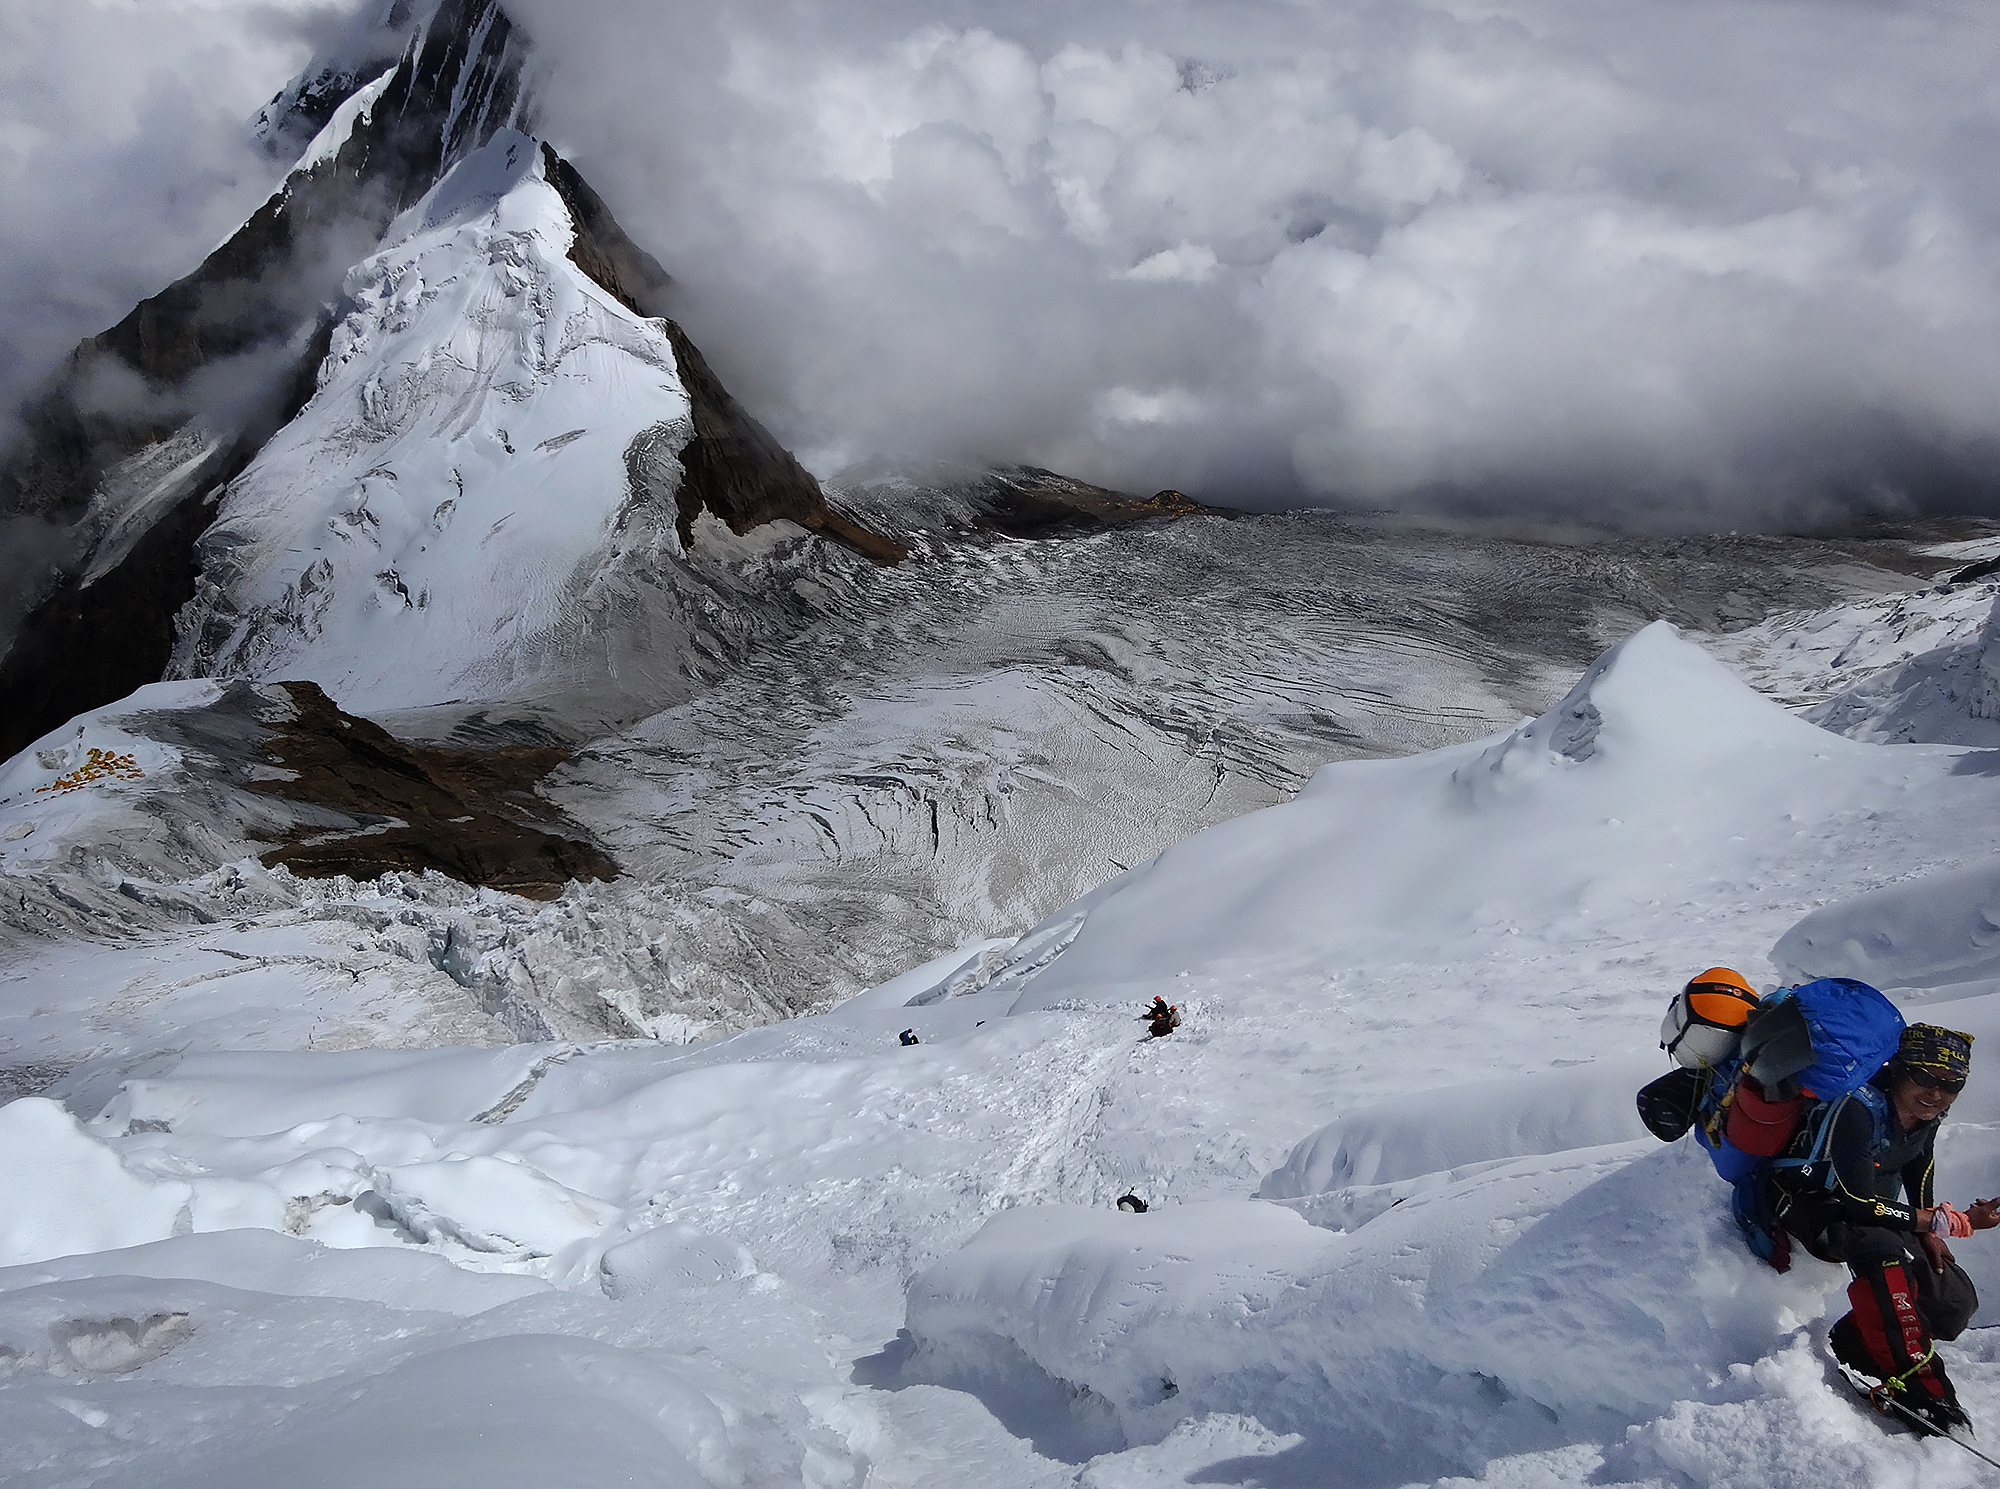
[(1817, 1159), (1818, 1129), (1712, 1107)]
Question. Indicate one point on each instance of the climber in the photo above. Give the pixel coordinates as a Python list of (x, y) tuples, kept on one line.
[(1907, 1289), (1131, 1204), (908, 1037), (1162, 1018)]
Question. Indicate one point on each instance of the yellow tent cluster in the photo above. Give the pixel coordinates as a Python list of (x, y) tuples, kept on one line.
[(98, 765)]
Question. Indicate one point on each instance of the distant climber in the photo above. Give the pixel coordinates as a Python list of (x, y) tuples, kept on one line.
[(1131, 1204), (1907, 1289), (909, 1037), (1162, 1018)]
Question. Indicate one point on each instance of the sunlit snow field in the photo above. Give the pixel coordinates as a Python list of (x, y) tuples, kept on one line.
[(1404, 1227)]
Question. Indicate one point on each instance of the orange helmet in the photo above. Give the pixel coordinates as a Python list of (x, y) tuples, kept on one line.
[(1706, 1017), (1721, 997)]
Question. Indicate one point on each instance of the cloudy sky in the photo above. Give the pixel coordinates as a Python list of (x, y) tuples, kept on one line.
[(1700, 263)]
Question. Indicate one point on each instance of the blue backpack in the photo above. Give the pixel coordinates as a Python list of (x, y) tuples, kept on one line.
[(1825, 1038), (1821, 1040)]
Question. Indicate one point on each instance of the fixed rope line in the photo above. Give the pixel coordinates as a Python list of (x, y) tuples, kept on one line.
[(1881, 1401)]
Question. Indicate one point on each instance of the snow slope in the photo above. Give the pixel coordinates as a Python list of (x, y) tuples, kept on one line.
[(1660, 794), (806, 1254), (1917, 668)]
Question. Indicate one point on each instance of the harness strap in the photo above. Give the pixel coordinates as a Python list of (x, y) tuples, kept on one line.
[(1821, 1147)]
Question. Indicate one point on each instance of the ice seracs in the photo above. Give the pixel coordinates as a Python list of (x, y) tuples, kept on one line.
[(1949, 694), (1910, 668)]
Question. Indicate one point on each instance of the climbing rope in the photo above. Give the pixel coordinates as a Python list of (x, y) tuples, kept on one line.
[(1883, 1398), (1882, 1394)]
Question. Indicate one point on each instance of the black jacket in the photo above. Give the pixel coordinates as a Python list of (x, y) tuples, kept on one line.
[(1876, 1161)]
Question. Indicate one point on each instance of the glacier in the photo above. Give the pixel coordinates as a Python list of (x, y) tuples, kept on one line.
[(1417, 1000)]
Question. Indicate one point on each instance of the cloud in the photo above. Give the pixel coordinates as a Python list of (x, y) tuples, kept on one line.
[(1710, 263), (28, 550), (1194, 262), (124, 156), (1717, 262)]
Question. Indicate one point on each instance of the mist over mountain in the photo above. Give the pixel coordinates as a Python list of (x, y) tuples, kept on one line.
[(1694, 266), (125, 157)]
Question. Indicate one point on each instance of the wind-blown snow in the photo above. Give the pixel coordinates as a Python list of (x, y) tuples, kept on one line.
[(1461, 1125), (67, 1194), (357, 108), (1934, 930), (1433, 981)]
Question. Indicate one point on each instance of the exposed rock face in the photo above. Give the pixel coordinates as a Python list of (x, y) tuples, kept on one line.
[(210, 774), (85, 645), (732, 467), (260, 315), (1024, 501), (468, 814)]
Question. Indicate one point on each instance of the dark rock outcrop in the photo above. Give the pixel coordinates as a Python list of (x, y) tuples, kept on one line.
[(732, 467), (89, 645), (1025, 501), (469, 814), (736, 470)]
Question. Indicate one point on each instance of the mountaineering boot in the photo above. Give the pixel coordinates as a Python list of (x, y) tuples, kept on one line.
[(1928, 1400), (1932, 1396), (1937, 1414)]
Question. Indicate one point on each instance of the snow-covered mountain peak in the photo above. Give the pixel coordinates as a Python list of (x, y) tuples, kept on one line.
[(205, 371), (459, 383), (428, 528)]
